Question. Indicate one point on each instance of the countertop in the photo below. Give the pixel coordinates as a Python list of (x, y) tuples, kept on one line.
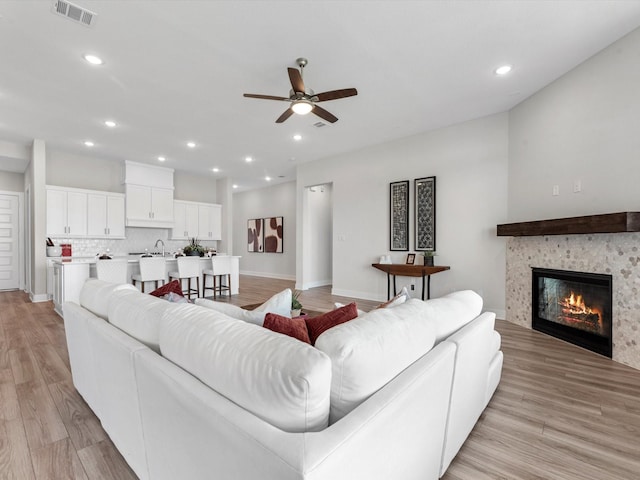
[(129, 258)]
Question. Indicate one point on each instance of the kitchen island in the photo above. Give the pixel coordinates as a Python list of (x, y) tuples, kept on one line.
[(69, 274)]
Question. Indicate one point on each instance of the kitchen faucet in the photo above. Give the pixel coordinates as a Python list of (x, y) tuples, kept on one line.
[(156, 245)]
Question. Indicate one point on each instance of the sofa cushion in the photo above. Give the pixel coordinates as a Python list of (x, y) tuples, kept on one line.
[(279, 303), (139, 315), (321, 323), (293, 327), (366, 353), (453, 311), (279, 379), (95, 295)]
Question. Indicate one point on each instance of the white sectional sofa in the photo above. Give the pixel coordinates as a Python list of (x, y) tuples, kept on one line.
[(188, 392)]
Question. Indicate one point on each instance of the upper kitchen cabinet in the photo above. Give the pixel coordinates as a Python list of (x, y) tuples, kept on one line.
[(66, 212), (105, 215), (210, 222), (200, 220), (149, 196), (186, 220)]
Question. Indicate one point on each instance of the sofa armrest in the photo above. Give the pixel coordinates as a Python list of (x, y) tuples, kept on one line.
[(190, 431), (76, 329), (474, 352)]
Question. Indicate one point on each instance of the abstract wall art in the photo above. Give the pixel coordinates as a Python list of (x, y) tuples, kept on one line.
[(425, 213), (399, 215), (255, 235), (273, 235)]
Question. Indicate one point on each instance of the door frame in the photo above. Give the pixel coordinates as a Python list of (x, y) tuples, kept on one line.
[(22, 240)]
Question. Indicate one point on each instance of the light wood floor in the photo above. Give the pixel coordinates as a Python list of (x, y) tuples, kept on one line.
[(559, 413)]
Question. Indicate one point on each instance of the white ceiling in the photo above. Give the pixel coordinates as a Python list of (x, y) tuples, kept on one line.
[(176, 70)]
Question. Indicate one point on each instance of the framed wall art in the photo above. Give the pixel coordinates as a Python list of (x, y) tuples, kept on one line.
[(425, 213), (273, 235), (255, 234), (399, 215)]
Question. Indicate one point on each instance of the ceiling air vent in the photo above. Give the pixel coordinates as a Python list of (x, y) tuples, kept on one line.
[(319, 124), (74, 12)]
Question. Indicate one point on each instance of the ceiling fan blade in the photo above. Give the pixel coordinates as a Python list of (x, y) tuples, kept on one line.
[(322, 113), (336, 94), (296, 80), (287, 113), (264, 97)]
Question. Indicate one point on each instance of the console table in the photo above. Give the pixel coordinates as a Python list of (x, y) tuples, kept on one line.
[(409, 271)]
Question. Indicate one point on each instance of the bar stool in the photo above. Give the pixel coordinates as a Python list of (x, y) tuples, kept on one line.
[(113, 271), (152, 269), (220, 267), (188, 268)]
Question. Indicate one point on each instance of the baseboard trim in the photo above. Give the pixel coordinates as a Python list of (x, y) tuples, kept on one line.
[(317, 283), (268, 275), (41, 297)]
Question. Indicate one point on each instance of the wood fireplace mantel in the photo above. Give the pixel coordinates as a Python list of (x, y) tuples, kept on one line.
[(606, 223)]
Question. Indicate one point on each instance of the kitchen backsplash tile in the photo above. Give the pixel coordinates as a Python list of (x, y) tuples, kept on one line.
[(138, 239)]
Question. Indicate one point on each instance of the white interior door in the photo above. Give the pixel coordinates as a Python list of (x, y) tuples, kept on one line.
[(9, 241)]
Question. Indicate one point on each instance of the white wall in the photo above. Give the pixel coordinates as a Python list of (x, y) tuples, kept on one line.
[(470, 163), (83, 171), (276, 201), (320, 212), (13, 182), (585, 126)]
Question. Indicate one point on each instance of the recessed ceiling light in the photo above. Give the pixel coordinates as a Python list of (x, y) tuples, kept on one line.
[(191, 145), (161, 159), (110, 123), (297, 137), (93, 60), (215, 169), (248, 159), (234, 186), (89, 143), (503, 70), (268, 179)]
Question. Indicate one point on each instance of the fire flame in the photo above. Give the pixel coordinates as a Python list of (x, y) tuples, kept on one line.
[(574, 304)]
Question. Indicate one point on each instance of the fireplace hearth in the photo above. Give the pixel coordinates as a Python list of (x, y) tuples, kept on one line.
[(574, 306)]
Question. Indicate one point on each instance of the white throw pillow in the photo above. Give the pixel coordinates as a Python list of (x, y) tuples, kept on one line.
[(96, 294), (369, 351), (280, 379), (233, 311), (279, 303), (139, 315)]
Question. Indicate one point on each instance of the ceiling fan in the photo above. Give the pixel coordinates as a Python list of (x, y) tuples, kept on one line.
[(304, 100)]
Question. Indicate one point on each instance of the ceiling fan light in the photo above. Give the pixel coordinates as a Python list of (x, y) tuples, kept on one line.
[(302, 107)]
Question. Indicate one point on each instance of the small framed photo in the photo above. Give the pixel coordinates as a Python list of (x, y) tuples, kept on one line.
[(411, 258)]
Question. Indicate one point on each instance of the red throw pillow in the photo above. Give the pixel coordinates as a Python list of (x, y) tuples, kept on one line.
[(171, 287), (294, 327), (317, 325)]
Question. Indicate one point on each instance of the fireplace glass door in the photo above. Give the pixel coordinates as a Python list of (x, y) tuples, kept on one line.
[(573, 306)]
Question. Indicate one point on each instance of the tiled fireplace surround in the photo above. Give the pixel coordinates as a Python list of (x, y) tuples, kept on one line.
[(616, 254)]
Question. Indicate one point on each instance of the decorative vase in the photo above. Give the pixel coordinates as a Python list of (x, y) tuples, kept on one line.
[(296, 313), (428, 261)]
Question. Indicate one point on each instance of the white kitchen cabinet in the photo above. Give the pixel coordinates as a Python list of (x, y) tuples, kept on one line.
[(66, 212), (149, 192), (149, 206), (210, 222), (68, 279), (105, 215), (194, 219), (186, 220)]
